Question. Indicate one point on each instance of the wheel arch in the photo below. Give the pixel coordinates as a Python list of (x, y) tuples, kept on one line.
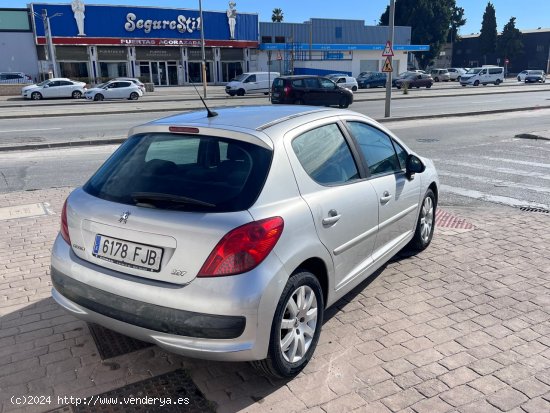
[(317, 267), (433, 187)]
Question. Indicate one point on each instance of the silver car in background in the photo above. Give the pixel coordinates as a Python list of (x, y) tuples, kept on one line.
[(226, 237)]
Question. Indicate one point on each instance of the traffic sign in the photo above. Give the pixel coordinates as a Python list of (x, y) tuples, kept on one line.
[(506, 61), (279, 57), (388, 51), (387, 66)]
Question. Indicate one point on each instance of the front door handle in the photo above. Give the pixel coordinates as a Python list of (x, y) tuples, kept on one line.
[(386, 196), (333, 217)]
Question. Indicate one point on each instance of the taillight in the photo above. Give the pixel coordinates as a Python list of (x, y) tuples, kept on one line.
[(286, 90), (243, 248), (64, 231)]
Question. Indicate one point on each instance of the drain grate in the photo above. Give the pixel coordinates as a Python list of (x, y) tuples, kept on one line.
[(172, 392), (531, 209), (443, 219), (111, 344)]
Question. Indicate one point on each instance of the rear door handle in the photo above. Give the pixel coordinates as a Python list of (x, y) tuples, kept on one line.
[(386, 196), (333, 217)]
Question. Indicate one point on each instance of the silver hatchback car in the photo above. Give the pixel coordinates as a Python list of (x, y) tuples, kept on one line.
[(227, 237)]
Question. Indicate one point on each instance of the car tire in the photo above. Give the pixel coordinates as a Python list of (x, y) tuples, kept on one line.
[(99, 97), (519, 79), (266, 93), (354, 88), (458, 79), (77, 94), (290, 349), (436, 79), (133, 96), (426, 223), (240, 92), (476, 83), (36, 96), (298, 102), (497, 82), (343, 103), (367, 86), (231, 94), (418, 87), (398, 87), (428, 86)]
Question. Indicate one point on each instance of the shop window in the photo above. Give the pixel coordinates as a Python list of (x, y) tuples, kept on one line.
[(266, 39), (112, 69), (279, 39), (75, 71)]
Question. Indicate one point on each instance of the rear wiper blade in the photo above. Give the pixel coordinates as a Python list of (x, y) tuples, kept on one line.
[(176, 199)]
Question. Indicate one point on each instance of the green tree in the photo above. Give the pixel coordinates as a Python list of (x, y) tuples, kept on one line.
[(510, 44), (457, 21), (429, 20), (277, 15), (488, 34)]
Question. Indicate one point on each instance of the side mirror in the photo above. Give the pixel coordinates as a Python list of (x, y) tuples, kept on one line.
[(46, 86), (414, 165)]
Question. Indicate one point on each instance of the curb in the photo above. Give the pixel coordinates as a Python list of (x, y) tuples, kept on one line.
[(113, 141)]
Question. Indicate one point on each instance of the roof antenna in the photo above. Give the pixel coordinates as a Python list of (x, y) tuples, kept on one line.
[(211, 113)]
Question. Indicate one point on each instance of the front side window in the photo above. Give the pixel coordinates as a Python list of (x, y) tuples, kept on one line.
[(376, 147), (325, 156), (251, 78), (185, 172), (327, 83)]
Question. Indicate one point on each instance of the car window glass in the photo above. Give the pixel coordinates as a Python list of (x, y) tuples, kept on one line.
[(124, 84), (251, 78), (298, 83), (54, 83), (325, 156), (401, 154), (311, 82), (65, 83), (326, 83), (376, 147)]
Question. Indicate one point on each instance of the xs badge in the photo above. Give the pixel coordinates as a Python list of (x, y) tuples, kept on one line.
[(124, 217)]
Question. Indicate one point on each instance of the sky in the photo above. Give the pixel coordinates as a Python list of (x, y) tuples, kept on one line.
[(296, 11)]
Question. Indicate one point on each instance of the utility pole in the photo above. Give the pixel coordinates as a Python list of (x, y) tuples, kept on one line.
[(387, 112), (203, 52)]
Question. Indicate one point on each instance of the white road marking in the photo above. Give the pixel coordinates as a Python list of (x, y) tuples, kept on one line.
[(508, 171), (470, 193), (27, 130), (496, 182), (536, 164)]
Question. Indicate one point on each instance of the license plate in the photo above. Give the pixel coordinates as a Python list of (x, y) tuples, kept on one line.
[(275, 95), (128, 254)]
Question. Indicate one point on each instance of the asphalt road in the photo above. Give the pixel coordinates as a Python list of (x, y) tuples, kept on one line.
[(478, 159)]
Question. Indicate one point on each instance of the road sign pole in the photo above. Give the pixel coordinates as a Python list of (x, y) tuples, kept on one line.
[(387, 112)]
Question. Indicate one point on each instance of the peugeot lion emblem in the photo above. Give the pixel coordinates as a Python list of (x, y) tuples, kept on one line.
[(124, 217)]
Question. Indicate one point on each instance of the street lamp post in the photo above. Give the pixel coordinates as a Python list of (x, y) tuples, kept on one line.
[(203, 52), (48, 33), (387, 112)]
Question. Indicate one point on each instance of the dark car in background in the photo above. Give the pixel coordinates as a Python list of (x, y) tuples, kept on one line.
[(372, 79), (535, 76), (309, 90), (416, 80)]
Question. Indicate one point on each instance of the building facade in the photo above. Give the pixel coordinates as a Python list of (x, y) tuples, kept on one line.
[(323, 46), (535, 55), (158, 45), (17, 50)]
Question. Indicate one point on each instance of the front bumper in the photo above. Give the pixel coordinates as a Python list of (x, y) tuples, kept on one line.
[(221, 318)]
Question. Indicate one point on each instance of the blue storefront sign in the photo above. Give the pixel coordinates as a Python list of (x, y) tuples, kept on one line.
[(342, 47), (143, 25)]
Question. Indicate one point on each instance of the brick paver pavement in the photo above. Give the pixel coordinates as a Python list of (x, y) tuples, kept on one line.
[(462, 327)]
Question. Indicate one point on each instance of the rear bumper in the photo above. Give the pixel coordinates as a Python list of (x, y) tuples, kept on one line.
[(222, 318)]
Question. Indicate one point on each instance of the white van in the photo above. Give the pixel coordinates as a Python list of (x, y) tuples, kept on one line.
[(252, 82), (483, 75)]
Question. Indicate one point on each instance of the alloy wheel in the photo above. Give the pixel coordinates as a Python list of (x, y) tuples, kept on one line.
[(426, 219), (298, 324)]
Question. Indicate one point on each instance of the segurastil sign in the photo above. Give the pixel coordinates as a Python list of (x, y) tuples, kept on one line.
[(80, 24)]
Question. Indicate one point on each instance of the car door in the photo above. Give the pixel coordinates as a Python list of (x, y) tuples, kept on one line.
[(331, 92), (343, 204), (398, 196), (312, 93), (65, 88), (52, 89)]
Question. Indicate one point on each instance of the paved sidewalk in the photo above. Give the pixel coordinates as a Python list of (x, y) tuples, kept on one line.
[(462, 327)]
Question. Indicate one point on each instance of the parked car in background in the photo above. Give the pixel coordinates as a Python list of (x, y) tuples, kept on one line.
[(348, 82), (455, 73), (14, 77), (535, 76), (252, 82), (522, 75), (483, 75), (309, 90), (416, 80), (114, 89), (372, 79), (228, 237), (440, 75), (135, 81), (54, 88)]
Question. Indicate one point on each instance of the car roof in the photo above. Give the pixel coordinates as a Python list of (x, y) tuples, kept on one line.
[(246, 117)]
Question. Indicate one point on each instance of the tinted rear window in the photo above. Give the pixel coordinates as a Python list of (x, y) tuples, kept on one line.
[(224, 173)]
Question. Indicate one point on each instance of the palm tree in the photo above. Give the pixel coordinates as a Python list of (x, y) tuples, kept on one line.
[(277, 15)]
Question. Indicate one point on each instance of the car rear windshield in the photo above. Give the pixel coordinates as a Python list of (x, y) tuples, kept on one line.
[(184, 172)]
